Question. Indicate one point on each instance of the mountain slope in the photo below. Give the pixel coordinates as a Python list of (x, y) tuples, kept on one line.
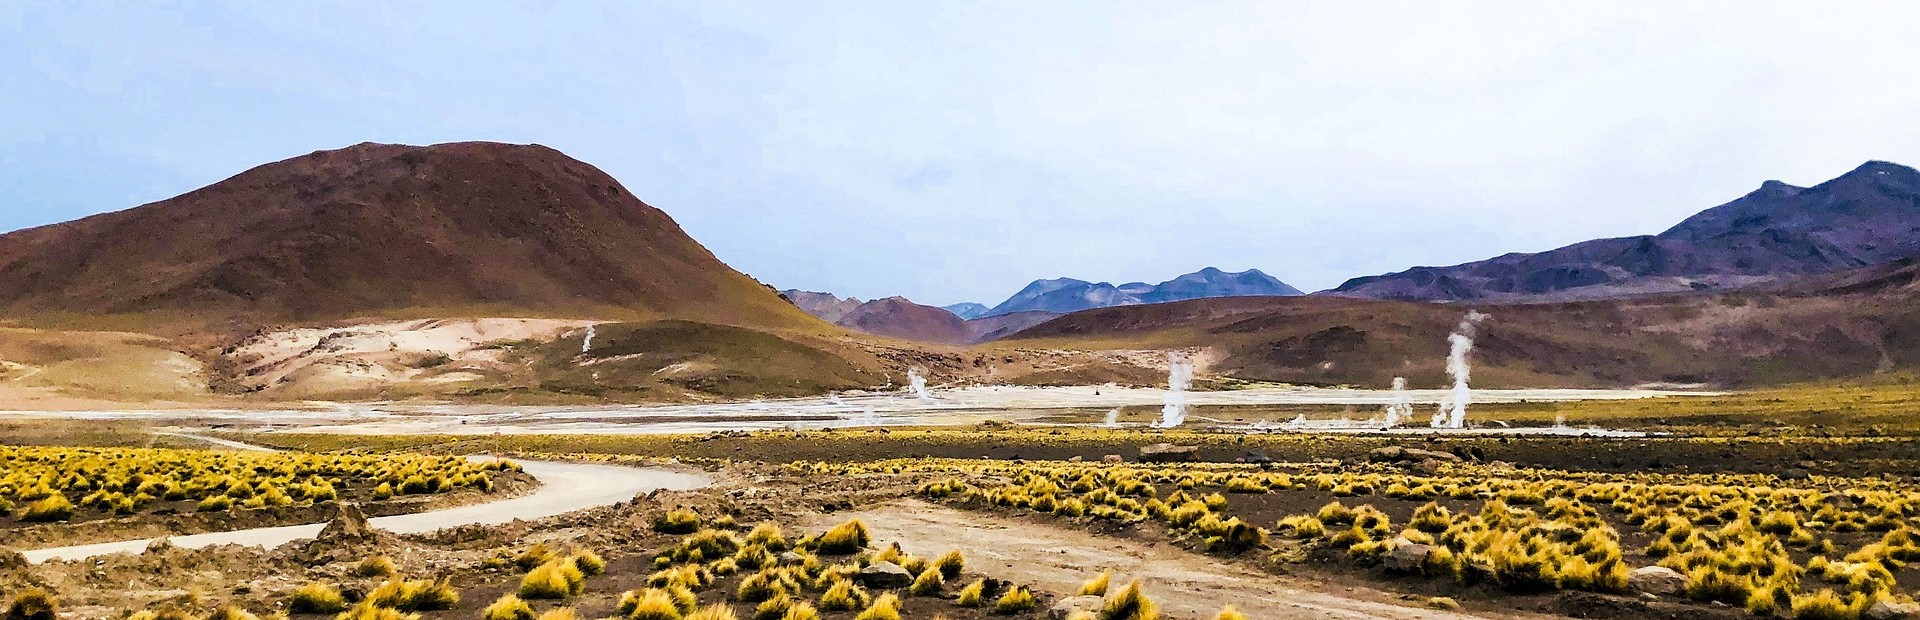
[(896, 317), (1868, 216), (1848, 324), (381, 229), (967, 310), (825, 306), (1064, 295)]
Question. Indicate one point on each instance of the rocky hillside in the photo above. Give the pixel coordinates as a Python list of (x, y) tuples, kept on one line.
[(384, 229), (1866, 217)]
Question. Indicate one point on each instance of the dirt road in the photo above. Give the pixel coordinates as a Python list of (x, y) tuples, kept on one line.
[(564, 487), (1187, 585)]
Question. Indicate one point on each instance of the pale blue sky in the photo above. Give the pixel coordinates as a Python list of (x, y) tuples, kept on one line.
[(954, 151)]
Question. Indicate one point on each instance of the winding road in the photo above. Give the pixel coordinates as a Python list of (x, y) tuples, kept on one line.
[(564, 487)]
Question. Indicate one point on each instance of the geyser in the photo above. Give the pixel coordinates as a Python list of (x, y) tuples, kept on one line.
[(587, 345), (1402, 406), (1113, 419), (918, 385), (1453, 414), (1173, 410)]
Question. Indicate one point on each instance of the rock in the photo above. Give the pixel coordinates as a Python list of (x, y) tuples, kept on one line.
[(159, 545), (1658, 580), (348, 523), (885, 576), (11, 560), (1167, 453), (1067, 607), (792, 559), (1795, 473), (1886, 609), (1076, 458), (1427, 467), (1113, 459), (1407, 556)]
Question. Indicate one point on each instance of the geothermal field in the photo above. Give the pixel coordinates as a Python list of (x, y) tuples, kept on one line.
[(939, 310)]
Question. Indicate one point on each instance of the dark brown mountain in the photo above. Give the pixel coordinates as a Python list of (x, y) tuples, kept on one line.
[(896, 317), (825, 306), (1866, 217), (1849, 324), (383, 229), (988, 328)]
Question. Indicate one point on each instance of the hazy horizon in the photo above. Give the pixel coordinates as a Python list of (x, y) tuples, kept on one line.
[(956, 152)]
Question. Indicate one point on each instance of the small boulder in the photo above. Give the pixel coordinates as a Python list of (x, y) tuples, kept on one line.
[(790, 558), (1068, 607), (1113, 459), (1076, 458), (1407, 556), (885, 576), (1886, 609), (348, 524), (1168, 453), (1657, 580)]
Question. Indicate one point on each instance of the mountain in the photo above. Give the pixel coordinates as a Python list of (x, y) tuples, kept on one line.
[(896, 317), (460, 229), (1841, 325), (1064, 295), (967, 310), (827, 306), (1865, 217), (990, 328)]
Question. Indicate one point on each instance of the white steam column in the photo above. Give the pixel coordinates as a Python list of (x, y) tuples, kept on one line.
[(587, 345), (918, 385), (1402, 406), (1173, 411), (1454, 413)]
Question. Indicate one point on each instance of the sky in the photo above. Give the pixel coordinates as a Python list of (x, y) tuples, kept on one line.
[(954, 151)]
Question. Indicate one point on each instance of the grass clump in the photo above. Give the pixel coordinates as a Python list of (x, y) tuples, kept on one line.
[(553, 580), (33, 604), (677, 521), (886, 607), (950, 564), (54, 507), (973, 595), (1230, 614), (508, 607), (1017, 600), (1097, 586), (1130, 603), (928, 583), (844, 596), (801, 611), (316, 598), (716, 611), (368, 611), (376, 566), (844, 539), (414, 595), (651, 604)]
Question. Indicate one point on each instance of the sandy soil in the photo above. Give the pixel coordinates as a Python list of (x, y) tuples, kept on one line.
[(359, 356), (1187, 585), (565, 487)]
